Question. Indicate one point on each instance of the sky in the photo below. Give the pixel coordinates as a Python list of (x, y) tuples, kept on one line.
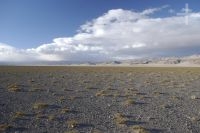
[(97, 30)]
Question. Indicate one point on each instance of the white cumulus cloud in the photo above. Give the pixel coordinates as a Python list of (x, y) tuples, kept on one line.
[(118, 34)]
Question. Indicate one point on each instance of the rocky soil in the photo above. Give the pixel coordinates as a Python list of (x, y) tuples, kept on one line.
[(99, 99)]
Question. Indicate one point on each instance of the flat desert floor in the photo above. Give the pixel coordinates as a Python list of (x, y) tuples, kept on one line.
[(99, 99)]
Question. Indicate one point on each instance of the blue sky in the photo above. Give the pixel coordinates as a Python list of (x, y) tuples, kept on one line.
[(29, 24)]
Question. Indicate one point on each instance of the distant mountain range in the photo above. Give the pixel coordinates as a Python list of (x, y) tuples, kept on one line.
[(187, 60)]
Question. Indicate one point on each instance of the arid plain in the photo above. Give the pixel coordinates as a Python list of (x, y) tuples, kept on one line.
[(61, 99)]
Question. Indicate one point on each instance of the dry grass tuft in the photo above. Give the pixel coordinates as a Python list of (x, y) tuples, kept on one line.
[(31, 80), (19, 115), (72, 97), (65, 110), (166, 81), (61, 99), (157, 93), (35, 90), (101, 93), (40, 105), (139, 129), (193, 97), (193, 119), (91, 88), (165, 106), (120, 119), (129, 102), (116, 95), (72, 124), (40, 116), (72, 131), (175, 97), (14, 88), (96, 131), (4, 127), (51, 117)]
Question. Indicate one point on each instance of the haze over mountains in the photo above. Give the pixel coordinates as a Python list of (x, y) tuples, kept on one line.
[(193, 60)]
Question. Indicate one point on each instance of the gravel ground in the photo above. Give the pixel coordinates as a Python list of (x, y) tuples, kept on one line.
[(99, 99)]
